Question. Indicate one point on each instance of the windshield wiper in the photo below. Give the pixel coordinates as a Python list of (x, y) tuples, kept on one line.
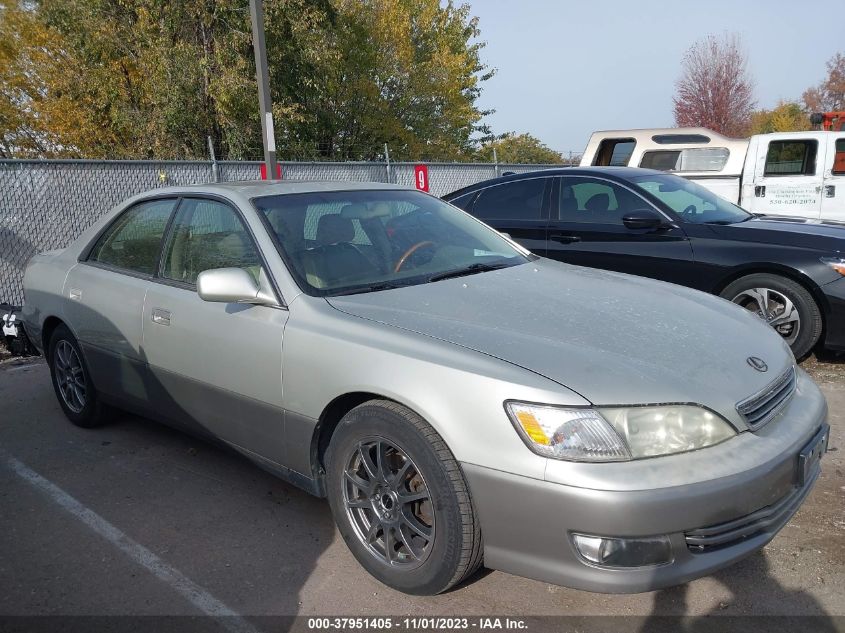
[(469, 270), (382, 285)]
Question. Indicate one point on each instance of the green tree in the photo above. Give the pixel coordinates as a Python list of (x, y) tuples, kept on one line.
[(522, 148), (787, 116)]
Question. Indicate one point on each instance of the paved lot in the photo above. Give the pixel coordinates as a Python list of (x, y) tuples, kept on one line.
[(192, 522)]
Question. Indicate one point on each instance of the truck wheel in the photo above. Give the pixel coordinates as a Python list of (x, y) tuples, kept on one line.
[(400, 500), (72, 381), (784, 304)]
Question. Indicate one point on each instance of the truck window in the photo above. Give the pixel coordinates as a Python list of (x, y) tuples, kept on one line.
[(791, 158), (692, 159), (614, 152), (839, 158)]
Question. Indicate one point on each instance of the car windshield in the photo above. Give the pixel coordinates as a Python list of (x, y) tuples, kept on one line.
[(347, 242), (689, 200)]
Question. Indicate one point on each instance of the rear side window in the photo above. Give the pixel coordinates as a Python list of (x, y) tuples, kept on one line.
[(595, 201), (208, 234), (791, 158), (691, 159), (517, 200), (615, 152), (839, 158), (133, 241)]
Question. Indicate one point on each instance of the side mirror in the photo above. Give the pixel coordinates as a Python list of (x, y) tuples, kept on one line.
[(507, 235), (643, 219), (231, 285)]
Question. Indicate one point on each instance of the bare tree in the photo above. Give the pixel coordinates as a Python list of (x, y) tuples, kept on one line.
[(715, 90), (829, 95)]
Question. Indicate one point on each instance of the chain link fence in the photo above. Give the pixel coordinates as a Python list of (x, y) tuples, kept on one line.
[(47, 204)]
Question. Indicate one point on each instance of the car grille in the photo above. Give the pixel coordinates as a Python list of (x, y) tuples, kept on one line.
[(762, 407), (769, 519)]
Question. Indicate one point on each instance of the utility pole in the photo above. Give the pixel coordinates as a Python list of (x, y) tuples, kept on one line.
[(256, 10)]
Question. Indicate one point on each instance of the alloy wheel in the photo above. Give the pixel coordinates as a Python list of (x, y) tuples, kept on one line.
[(775, 308), (389, 504), (70, 376)]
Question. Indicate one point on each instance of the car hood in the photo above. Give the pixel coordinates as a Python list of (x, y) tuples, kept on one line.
[(823, 235), (612, 338)]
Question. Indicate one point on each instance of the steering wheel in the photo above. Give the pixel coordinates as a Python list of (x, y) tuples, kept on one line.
[(690, 210), (410, 252)]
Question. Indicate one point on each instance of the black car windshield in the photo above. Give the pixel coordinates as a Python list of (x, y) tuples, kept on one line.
[(348, 242), (689, 200)]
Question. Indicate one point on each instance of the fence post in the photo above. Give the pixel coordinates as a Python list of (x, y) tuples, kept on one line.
[(215, 174), (495, 163), (387, 160)]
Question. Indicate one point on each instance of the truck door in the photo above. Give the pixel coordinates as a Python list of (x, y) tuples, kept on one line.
[(788, 176), (833, 187)]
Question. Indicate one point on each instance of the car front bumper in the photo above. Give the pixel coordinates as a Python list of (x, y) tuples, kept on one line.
[(711, 523)]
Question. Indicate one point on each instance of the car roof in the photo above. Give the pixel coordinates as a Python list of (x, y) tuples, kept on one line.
[(256, 188), (616, 173)]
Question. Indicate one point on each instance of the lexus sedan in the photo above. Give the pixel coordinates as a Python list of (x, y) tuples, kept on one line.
[(788, 271), (382, 348)]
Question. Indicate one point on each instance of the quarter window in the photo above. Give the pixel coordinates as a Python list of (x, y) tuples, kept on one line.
[(133, 241), (615, 152), (516, 200), (791, 158), (208, 234), (595, 201)]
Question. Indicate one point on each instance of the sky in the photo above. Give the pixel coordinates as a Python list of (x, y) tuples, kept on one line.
[(568, 68)]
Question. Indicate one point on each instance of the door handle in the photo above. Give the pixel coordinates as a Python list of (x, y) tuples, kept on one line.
[(760, 191), (563, 238), (162, 317), (830, 191)]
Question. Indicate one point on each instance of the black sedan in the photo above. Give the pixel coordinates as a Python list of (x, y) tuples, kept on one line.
[(790, 271)]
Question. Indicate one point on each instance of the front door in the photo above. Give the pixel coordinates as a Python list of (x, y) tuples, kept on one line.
[(833, 187), (216, 366), (587, 230), (788, 177)]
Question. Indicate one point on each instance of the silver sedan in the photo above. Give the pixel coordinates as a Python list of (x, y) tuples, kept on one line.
[(458, 400)]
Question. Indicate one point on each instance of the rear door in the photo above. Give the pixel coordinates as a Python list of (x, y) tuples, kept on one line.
[(587, 230), (519, 208), (214, 366), (106, 292), (833, 187), (788, 176)]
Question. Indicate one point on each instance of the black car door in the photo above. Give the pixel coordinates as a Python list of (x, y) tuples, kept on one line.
[(519, 208), (587, 229)]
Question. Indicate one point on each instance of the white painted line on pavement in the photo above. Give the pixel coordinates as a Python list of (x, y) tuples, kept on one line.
[(180, 583)]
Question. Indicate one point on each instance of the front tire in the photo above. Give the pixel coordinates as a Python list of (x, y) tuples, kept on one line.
[(400, 500), (784, 304), (72, 382)]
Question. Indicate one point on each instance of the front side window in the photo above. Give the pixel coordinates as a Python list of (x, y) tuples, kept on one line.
[(207, 234), (133, 241), (347, 242), (791, 158), (515, 200), (689, 200), (691, 159), (839, 158), (595, 201)]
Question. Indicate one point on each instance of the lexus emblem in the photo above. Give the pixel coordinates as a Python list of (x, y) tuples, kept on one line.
[(757, 363)]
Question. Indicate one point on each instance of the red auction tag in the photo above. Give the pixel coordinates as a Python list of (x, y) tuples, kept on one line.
[(421, 177), (264, 171)]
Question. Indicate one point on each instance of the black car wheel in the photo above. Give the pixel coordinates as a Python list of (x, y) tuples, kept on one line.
[(782, 303), (400, 500), (72, 381)]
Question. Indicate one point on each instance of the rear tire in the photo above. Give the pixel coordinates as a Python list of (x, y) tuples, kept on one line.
[(784, 304), (72, 382), (408, 517)]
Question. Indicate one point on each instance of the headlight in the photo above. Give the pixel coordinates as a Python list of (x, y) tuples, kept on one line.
[(611, 434), (837, 263)]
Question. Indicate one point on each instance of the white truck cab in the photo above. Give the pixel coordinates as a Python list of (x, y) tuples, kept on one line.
[(785, 173)]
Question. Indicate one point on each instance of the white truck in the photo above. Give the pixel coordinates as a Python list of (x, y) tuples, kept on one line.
[(785, 173)]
